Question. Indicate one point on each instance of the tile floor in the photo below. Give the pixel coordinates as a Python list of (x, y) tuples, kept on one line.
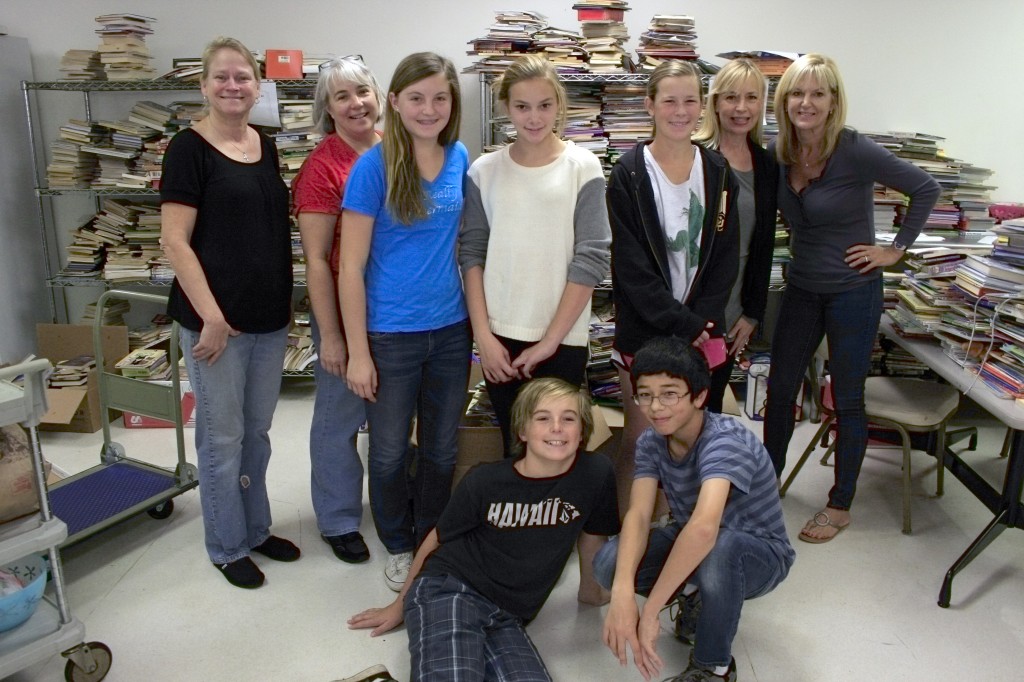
[(860, 608)]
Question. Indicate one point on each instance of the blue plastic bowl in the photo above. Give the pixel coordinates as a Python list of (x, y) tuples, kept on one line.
[(16, 608)]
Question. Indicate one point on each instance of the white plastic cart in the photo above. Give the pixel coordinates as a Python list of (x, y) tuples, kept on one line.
[(51, 629)]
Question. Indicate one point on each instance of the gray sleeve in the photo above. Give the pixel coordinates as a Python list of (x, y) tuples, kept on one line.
[(590, 261), (475, 230), (887, 169)]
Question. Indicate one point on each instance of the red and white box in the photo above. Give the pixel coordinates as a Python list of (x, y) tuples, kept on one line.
[(188, 412)]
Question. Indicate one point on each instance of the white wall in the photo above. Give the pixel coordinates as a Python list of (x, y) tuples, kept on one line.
[(944, 67)]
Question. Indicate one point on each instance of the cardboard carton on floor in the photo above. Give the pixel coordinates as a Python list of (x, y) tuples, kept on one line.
[(77, 408)]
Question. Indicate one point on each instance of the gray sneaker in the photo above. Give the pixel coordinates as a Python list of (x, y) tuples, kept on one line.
[(698, 673), (687, 611)]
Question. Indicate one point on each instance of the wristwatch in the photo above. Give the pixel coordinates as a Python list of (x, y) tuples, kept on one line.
[(899, 247)]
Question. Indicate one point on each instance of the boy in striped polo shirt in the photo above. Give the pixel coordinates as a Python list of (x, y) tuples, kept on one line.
[(726, 541)]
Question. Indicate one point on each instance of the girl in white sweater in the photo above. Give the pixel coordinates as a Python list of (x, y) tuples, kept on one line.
[(534, 242)]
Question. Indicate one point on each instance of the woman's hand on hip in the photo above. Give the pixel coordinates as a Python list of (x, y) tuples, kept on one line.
[(866, 257)]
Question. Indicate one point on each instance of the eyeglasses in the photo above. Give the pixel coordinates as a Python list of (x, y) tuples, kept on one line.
[(349, 57), (667, 399)]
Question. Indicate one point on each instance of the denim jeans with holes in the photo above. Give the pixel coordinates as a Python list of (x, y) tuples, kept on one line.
[(235, 401), (850, 319), (422, 374)]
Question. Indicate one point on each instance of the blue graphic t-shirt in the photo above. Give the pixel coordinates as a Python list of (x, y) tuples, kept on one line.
[(412, 278)]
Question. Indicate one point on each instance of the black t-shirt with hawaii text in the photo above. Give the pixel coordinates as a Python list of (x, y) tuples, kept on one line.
[(509, 537)]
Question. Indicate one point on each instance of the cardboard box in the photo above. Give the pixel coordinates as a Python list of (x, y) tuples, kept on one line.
[(77, 408), (284, 64), (133, 420)]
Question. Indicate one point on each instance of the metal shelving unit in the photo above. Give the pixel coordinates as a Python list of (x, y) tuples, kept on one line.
[(55, 283)]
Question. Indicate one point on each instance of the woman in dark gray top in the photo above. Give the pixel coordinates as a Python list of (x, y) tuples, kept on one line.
[(834, 284)]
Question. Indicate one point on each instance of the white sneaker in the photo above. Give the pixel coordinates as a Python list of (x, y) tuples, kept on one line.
[(396, 571)]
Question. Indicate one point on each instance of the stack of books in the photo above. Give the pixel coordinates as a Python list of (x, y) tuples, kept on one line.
[(300, 353), (771, 63), (624, 118), (561, 47), (604, 34), (113, 313), (669, 36), (70, 166), (123, 50), (510, 36), (82, 65), (583, 120), (72, 372), (158, 330), (149, 364), (185, 69)]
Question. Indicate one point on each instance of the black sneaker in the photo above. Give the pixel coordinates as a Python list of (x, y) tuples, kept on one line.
[(687, 611), (278, 549), (242, 573), (349, 547), (698, 673), (376, 673)]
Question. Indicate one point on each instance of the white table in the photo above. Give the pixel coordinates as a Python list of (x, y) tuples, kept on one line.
[(1005, 504)]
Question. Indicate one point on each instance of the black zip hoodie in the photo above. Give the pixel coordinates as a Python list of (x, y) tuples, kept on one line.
[(641, 284)]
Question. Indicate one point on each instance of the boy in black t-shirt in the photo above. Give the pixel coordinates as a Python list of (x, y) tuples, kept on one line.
[(501, 544)]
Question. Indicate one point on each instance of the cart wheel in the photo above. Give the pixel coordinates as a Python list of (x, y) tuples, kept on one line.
[(101, 656), (162, 510), (112, 452)]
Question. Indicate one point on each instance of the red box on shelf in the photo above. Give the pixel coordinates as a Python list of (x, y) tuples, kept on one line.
[(284, 64), (600, 14)]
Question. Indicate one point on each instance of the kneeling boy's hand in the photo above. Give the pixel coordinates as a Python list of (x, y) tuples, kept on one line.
[(620, 629), (381, 620)]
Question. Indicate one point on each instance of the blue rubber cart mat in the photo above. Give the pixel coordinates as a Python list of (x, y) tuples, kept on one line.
[(105, 493)]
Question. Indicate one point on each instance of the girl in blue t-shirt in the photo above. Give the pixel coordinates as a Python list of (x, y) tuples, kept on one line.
[(401, 301)]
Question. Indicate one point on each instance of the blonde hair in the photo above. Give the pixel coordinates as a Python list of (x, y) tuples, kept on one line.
[(529, 398), (405, 196), (529, 67), (224, 43), (673, 68), (825, 72), (340, 70), (731, 77)]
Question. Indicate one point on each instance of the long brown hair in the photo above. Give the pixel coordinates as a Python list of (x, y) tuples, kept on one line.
[(405, 196)]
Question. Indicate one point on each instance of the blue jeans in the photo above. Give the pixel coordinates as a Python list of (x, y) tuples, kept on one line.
[(336, 477), (235, 401), (458, 635), (423, 374), (850, 319), (740, 566)]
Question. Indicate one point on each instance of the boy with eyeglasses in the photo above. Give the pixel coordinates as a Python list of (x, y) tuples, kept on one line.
[(726, 541)]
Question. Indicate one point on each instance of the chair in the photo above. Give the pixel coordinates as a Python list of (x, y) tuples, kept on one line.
[(901, 404)]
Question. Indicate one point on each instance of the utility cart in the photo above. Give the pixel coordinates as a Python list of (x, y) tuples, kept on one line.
[(120, 487), (51, 629)]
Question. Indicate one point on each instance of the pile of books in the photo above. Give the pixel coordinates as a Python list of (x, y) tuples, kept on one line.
[(583, 118), (509, 36), (150, 364), (113, 313), (72, 372), (624, 117), (604, 34), (561, 47), (185, 69), (300, 353), (157, 331), (82, 65), (123, 50), (71, 167), (669, 36), (771, 63)]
